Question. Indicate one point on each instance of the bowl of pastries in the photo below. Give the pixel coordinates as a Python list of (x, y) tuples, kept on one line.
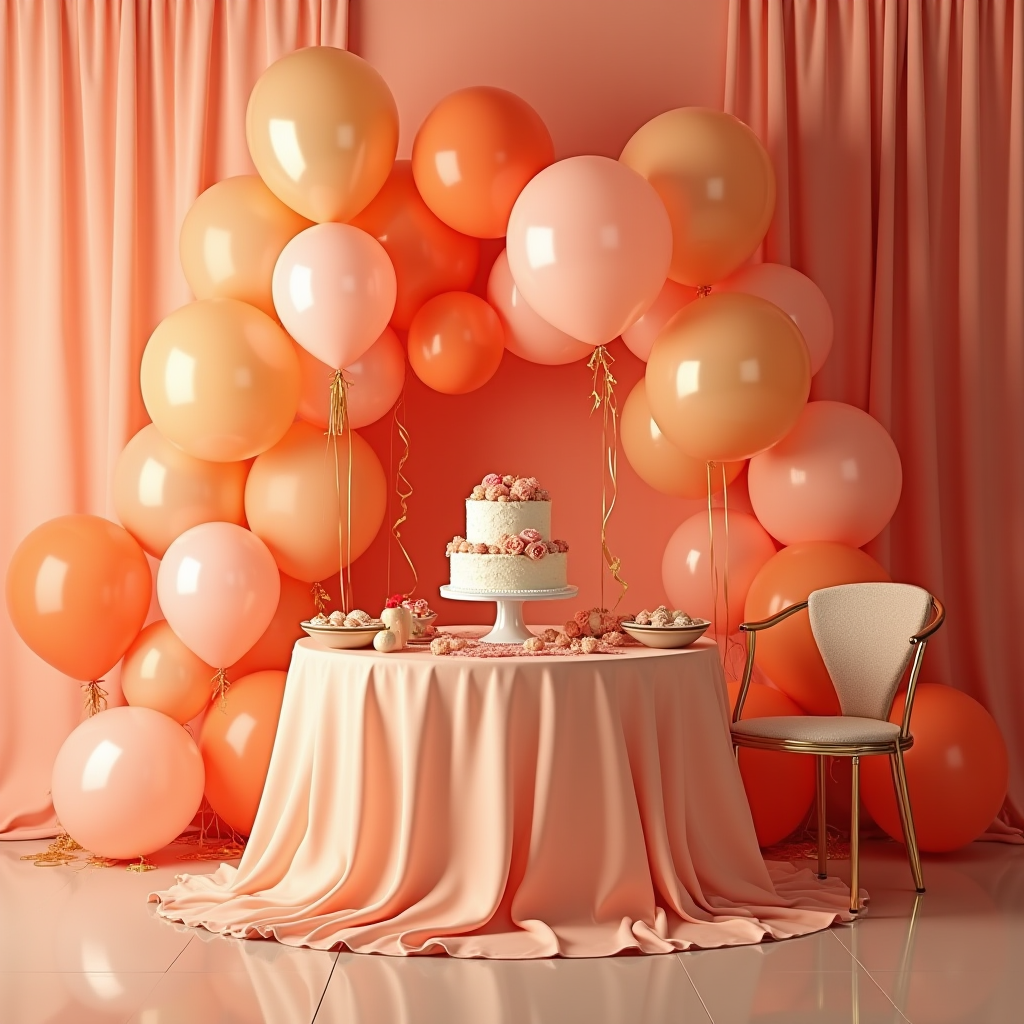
[(665, 628), (343, 631)]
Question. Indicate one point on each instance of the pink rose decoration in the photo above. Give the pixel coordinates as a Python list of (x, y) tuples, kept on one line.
[(522, 491), (491, 480), (493, 549), (508, 481), (465, 547), (562, 546), (514, 545), (479, 493), (530, 535), (503, 498), (537, 550), (450, 549), (583, 621), (552, 547), (496, 491), (479, 549), (572, 629)]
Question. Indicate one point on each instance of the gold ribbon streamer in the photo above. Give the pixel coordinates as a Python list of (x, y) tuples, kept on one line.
[(603, 395), (404, 491), (94, 697), (725, 570), (221, 684), (723, 648), (320, 596), (703, 291), (337, 426)]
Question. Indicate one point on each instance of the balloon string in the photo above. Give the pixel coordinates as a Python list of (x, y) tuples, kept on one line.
[(725, 569), (220, 689), (94, 697), (338, 425), (320, 597), (404, 491), (703, 291), (714, 570), (603, 396)]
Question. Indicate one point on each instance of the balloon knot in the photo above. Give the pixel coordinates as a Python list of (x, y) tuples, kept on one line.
[(703, 291), (221, 684), (94, 697)]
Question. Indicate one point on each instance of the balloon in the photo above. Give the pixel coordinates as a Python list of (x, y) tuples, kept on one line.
[(686, 566), (231, 238), (237, 745), (78, 591), (322, 128), (161, 673), (456, 343), (780, 787), (292, 503), (473, 155), (218, 588), (657, 461), (526, 334), (728, 377), (377, 379), (220, 380), (588, 245), (640, 336), (161, 491), (127, 782), (794, 294), (787, 652), (428, 256), (334, 290), (717, 183), (957, 771), (835, 476)]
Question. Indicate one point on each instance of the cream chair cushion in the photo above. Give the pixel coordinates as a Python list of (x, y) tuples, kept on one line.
[(830, 729)]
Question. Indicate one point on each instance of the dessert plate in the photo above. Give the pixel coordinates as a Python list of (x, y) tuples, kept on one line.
[(343, 638), (666, 637)]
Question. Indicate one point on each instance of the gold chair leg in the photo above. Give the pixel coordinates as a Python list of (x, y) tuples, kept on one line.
[(907, 818), (822, 827), (855, 838)]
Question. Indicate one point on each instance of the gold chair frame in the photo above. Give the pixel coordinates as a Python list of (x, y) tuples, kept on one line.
[(894, 749)]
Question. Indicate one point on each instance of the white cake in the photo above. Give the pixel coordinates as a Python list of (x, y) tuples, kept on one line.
[(508, 545)]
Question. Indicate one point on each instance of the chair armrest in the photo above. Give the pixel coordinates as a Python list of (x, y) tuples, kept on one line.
[(938, 617), (752, 627)]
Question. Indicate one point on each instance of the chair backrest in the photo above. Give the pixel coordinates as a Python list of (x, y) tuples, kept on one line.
[(863, 632)]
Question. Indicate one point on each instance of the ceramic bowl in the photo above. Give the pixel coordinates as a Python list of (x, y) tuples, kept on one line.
[(666, 637), (343, 638), (421, 622)]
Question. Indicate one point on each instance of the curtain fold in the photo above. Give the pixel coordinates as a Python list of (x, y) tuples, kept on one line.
[(897, 131)]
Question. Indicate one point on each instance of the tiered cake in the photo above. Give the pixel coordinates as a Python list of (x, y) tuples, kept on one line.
[(507, 547)]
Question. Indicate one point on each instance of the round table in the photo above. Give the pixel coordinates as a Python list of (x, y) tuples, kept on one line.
[(510, 808)]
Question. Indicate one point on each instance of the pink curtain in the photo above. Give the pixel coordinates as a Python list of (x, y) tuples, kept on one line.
[(897, 132), (113, 117)]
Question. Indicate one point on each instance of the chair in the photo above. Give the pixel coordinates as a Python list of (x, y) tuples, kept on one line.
[(866, 633)]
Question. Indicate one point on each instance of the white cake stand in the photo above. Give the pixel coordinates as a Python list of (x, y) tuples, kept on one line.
[(509, 626)]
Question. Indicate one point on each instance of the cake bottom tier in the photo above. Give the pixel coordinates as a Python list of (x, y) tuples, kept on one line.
[(502, 573)]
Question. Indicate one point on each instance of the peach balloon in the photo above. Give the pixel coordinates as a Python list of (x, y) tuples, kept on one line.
[(377, 379), (334, 290), (127, 782), (161, 491), (428, 256), (161, 673), (456, 343), (236, 747), (292, 501), (728, 377), (473, 155), (526, 334), (231, 238), (787, 652), (640, 336), (322, 129), (220, 380), (717, 183), (657, 461), (589, 245), (686, 566), (794, 294), (835, 476), (78, 591), (218, 588)]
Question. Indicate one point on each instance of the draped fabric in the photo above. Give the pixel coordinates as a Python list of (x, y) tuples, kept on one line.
[(897, 132)]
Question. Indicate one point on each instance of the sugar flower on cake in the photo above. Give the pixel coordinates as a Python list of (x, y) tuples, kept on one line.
[(522, 490), (514, 545), (492, 480), (530, 535), (496, 491), (498, 487), (536, 550)]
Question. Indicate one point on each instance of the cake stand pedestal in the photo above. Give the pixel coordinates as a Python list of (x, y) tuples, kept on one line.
[(509, 626)]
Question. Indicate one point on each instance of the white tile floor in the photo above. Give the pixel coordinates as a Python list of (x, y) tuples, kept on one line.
[(80, 945)]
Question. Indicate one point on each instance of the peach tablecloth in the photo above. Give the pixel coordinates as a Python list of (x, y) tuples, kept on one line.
[(507, 808)]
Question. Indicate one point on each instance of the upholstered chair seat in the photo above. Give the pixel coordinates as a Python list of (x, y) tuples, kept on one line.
[(821, 729)]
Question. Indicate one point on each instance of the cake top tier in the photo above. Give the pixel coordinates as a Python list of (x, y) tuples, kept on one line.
[(495, 487)]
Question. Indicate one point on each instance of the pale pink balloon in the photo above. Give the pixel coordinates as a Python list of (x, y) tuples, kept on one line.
[(218, 587), (589, 245), (528, 335), (686, 565), (334, 289), (836, 476), (377, 379), (796, 295), (127, 782), (640, 336)]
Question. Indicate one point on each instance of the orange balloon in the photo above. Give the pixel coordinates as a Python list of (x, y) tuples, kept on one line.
[(429, 256), (231, 238), (657, 460), (728, 377), (957, 770), (161, 673), (161, 491), (780, 787), (236, 745), (220, 380), (78, 591), (473, 155), (787, 653), (456, 343), (292, 501), (717, 183), (322, 128)]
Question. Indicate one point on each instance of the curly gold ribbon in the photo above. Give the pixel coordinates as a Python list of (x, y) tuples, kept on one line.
[(338, 425), (703, 291), (221, 684), (723, 648), (404, 491), (94, 697), (320, 597), (603, 396)]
